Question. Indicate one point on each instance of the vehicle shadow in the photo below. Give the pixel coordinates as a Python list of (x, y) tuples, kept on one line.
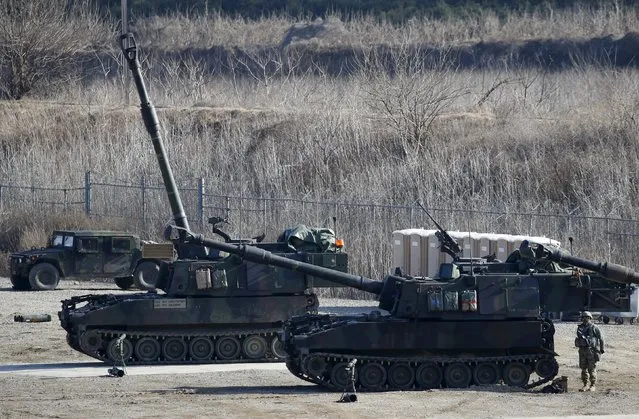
[(230, 390), (35, 367)]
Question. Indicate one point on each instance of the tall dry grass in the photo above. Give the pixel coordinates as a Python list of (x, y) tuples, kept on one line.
[(180, 32), (509, 138)]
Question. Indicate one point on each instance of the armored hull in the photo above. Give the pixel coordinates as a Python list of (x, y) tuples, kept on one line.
[(395, 354), (160, 329), (210, 312)]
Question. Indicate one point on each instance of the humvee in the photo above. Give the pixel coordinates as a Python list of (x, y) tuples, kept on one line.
[(87, 255)]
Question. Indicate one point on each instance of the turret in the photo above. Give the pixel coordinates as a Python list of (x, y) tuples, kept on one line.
[(264, 257), (611, 271)]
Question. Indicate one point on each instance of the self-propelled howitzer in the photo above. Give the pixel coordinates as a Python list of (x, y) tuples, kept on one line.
[(214, 307), (478, 322)]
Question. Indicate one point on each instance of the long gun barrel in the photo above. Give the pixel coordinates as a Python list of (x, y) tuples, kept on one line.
[(129, 48), (611, 271), (264, 257)]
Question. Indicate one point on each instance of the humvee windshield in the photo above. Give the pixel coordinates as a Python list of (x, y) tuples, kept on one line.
[(59, 240)]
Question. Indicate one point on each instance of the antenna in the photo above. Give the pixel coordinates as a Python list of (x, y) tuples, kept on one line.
[(470, 241)]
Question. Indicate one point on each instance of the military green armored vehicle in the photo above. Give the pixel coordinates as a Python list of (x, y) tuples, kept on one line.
[(478, 322), (85, 255), (209, 306)]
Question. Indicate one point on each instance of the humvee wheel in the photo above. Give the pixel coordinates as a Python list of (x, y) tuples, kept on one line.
[(20, 283), (146, 275), (44, 277), (124, 282)]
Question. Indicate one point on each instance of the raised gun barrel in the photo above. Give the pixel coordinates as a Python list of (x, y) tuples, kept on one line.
[(611, 271), (264, 257), (152, 124)]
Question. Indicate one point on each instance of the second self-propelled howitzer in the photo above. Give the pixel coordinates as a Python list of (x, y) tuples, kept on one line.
[(478, 322)]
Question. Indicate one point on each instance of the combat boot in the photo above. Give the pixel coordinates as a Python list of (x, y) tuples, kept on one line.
[(592, 388), (585, 387)]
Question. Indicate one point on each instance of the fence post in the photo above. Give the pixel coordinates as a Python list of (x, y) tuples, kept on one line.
[(228, 208), (142, 185), (200, 202), (0, 198), (87, 193)]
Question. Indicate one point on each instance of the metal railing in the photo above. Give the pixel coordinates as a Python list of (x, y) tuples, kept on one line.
[(141, 206)]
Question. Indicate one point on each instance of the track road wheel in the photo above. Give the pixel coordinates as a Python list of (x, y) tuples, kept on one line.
[(228, 347), (119, 353), (457, 375), (546, 367), (254, 347), (315, 366), (146, 275), (174, 349), (124, 282), (44, 277), (147, 349), (341, 377), (201, 349), (20, 283), (485, 374), (429, 375), (372, 376), (90, 341), (516, 374), (401, 376), (277, 348)]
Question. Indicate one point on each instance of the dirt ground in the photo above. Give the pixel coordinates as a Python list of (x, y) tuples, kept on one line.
[(251, 393)]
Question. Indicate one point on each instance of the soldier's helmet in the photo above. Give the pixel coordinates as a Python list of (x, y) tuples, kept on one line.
[(586, 314)]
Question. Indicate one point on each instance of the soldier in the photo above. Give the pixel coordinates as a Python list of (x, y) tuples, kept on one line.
[(588, 340)]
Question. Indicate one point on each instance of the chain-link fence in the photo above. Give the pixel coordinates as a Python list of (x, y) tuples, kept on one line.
[(367, 228)]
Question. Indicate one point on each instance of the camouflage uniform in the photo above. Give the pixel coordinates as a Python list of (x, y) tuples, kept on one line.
[(590, 344)]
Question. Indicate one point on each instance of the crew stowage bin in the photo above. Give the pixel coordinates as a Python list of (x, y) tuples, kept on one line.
[(435, 302), (469, 300), (451, 301)]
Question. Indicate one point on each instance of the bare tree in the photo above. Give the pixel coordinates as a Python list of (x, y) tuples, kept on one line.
[(410, 88), (39, 38)]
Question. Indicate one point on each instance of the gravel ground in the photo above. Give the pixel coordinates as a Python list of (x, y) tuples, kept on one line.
[(251, 393)]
